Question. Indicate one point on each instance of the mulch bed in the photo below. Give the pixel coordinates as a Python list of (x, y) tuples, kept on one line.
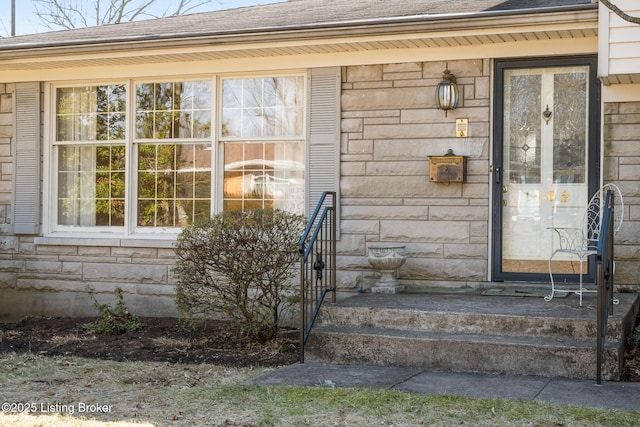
[(160, 340), (166, 339)]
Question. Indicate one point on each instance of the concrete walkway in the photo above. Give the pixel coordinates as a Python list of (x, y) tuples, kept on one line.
[(611, 395)]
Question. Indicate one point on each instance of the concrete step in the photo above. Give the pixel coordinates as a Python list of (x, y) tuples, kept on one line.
[(464, 323), (474, 353), (474, 314), (472, 333)]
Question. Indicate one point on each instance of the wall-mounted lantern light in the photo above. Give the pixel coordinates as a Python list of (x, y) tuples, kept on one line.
[(447, 92)]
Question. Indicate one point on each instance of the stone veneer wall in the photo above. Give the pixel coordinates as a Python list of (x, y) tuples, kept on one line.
[(52, 279), (390, 126), (622, 167)]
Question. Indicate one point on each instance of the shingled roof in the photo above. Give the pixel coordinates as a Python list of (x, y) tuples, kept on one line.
[(287, 16)]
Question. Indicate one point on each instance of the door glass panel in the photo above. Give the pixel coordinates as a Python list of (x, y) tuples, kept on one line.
[(545, 164), (522, 133), (569, 132)]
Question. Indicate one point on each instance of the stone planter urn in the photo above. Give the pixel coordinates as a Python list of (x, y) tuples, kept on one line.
[(386, 258)]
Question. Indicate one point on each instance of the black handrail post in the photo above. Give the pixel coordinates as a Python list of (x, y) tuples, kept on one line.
[(302, 304), (605, 272), (334, 238), (317, 248)]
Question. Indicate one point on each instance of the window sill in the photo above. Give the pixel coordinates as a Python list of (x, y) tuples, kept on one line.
[(89, 239)]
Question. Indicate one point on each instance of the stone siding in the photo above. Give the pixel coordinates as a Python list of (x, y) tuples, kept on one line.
[(50, 279), (390, 127), (622, 167)]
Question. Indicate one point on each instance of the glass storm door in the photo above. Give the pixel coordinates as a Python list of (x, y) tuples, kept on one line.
[(542, 174)]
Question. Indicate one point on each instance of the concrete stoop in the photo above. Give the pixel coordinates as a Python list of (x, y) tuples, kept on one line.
[(468, 332)]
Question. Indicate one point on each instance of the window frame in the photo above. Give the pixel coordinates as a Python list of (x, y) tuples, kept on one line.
[(51, 228), (133, 141), (222, 140), (51, 158)]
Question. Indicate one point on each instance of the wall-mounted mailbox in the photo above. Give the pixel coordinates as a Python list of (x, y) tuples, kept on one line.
[(448, 168)]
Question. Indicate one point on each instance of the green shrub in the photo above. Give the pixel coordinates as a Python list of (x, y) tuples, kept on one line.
[(112, 321), (239, 264)]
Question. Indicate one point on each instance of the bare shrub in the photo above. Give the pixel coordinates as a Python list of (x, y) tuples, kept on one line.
[(113, 320), (239, 263)]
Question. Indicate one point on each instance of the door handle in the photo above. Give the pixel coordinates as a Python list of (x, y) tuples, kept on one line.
[(498, 175)]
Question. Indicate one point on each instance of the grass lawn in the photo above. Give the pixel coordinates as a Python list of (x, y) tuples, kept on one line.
[(70, 391)]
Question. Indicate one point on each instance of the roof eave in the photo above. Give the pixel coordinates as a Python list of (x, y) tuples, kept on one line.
[(354, 28)]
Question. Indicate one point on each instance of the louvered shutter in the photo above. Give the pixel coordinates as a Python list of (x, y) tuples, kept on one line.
[(323, 165), (26, 195)]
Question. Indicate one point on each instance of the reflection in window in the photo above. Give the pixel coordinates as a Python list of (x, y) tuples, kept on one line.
[(90, 113), (264, 175), (569, 130), (522, 122), (161, 150), (173, 110), (174, 184), (263, 107), (174, 180), (264, 154)]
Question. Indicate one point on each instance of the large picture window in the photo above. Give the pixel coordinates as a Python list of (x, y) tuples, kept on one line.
[(139, 155)]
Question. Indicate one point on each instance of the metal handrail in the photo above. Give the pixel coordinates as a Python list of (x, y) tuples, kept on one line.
[(605, 267), (317, 248)]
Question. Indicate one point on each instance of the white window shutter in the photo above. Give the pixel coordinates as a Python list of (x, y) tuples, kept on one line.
[(26, 195), (323, 163)]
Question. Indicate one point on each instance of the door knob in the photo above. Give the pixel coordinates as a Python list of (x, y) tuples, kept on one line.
[(505, 189), (546, 115)]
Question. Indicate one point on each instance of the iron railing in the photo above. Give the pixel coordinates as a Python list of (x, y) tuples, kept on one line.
[(317, 248), (604, 279)]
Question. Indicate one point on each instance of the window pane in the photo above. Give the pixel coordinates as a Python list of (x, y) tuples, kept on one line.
[(90, 113), (163, 96), (252, 93), (201, 124), (174, 184), (163, 125), (144, 97), (231, 122), (201, 211), (268, 175), (254, 108), (144, 125), (232, 93), (173, 110), (201, 95), (91, 183)]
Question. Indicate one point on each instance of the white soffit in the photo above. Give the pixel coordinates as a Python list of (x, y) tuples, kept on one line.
[(620, 79)]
